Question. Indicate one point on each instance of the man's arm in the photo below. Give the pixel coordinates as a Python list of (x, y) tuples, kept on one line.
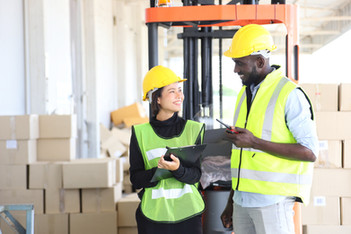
[(245, 139), (227, 214)]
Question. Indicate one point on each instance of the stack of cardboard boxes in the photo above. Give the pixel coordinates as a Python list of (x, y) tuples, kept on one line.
[(329, 209), (38, 166)]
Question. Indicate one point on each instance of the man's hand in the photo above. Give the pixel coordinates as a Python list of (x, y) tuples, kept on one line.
[(227, 216), (243, 139), (169, 165)]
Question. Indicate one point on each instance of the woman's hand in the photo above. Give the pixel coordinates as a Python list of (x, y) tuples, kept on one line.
[(169, 165)]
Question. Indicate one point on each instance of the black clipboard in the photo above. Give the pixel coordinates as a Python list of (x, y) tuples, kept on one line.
[(188, 155)]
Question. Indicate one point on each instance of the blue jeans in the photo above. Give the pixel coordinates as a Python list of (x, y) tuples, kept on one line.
[(274, 219)]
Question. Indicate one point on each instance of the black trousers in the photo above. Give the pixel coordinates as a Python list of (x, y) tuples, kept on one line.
[(145, 226)]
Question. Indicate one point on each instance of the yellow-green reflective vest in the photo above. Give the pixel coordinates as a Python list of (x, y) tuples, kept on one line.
[(170, 201), (260, 172)]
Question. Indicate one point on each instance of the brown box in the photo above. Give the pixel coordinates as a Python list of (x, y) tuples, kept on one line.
[(18, 151), (44, 175), (345, 97), (127, 230), (347, 154), (324, 97), (20, 127), (23, 196), (89, 173), (62, 201), (57, 126), (56, 149), (331, 182), (93, 223), (333, 125), (51, 224), (322, 210), (135, 110), (136, 120), (346, 211), (13, 177), (326, 229), (330, 155), (126, 208), (101, 199)]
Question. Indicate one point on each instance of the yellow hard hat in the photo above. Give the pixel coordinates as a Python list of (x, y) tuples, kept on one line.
[(248, 39), (158, 77)]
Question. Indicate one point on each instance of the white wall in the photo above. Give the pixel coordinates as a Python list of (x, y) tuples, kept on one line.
[(105, 77), (58, 56), (12, 67)]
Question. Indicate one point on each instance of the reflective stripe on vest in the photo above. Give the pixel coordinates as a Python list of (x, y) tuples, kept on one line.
[(272, 176), (171, 193)]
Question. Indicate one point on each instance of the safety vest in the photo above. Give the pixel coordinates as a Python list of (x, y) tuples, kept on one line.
[(260, 172), (170, 201)]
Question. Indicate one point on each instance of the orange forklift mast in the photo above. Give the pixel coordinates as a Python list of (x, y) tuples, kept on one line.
[(198, 17)]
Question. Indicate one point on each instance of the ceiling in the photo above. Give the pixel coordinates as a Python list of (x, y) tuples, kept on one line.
[(320, 22)]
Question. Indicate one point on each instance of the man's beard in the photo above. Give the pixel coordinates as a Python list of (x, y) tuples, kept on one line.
[(252, 78)]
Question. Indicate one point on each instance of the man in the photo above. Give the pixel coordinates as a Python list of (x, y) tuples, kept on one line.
[(276, 144)]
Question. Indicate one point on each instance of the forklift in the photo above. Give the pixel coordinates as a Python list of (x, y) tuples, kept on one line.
[(198, 18)]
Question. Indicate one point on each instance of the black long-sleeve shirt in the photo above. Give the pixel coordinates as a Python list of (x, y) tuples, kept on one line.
[(169, 128)]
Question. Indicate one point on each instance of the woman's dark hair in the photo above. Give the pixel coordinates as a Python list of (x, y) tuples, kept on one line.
[(155, 107)]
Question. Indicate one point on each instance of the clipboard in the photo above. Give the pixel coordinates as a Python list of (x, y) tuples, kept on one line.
[(188, 155)]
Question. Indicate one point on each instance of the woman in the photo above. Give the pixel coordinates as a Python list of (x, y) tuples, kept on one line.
[(172, 205)]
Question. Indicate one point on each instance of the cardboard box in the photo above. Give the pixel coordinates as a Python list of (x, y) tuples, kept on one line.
[(56, 149), (62, 201), (45, 175), (330, 155), (331, 182), (111, 143), (345, 97), (324, 97), (101, 199), (123, 135), (51, 224), (57, 126), (333, 125), (105, 134), (135, 120), (326, 229), (93, 223), (23, 196), (89, 173), (127, 230), (20, 127), (18, 151), (126, 208), (119, 170), (347, 154), (13, 177), (321, 210), (135, 110), (346, 211)]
